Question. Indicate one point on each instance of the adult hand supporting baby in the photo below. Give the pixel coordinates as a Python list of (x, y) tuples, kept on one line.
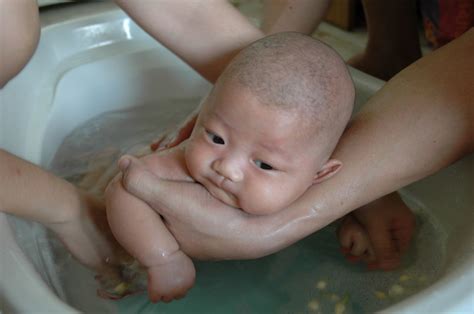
[(197, 236), (389, 232), (418, 123)]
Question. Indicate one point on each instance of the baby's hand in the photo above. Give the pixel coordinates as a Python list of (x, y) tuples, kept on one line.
[(379, 233), (175, 137), (171, 280)]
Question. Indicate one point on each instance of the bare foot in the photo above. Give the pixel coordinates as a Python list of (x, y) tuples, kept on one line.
[(378, 233), (355, 241), (171, 280)]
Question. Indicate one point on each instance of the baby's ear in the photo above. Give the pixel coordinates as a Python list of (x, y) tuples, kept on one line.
[(330, 168)]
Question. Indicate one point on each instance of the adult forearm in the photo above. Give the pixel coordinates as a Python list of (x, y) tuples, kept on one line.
[(418, 123), (17, 46), (204, 33), (33, 193), (293, 15)]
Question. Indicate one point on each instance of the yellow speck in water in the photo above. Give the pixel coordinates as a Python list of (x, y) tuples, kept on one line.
[(422, 279), (340, 308), (334, 297), (321, 285), (395, 290), (380, 295), (121, 288), (404, 278), (313, 305)]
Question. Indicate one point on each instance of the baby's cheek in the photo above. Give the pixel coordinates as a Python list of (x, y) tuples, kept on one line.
[(194, 160), (262, 198)]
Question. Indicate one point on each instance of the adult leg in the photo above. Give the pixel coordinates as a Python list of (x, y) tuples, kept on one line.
[(393, 41)]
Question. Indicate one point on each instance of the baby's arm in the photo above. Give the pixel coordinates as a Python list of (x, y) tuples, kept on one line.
[(378, 233), (141, 231)]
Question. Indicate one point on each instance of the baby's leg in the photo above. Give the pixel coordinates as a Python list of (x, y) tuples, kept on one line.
[(140, 230), (172, 279)]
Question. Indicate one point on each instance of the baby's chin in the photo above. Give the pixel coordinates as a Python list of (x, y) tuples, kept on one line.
[(233, 201), (223, 196), (259, 210)]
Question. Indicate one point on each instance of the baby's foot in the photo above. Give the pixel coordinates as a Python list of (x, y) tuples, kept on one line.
[(171, 280), (354, 240)]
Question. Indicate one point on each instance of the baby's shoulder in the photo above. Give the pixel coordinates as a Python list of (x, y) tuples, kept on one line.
[(168, 164)]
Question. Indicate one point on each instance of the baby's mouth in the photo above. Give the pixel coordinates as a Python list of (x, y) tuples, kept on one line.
[(221, 194)]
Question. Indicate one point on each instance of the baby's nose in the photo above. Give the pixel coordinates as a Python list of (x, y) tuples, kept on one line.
[(229, 169)]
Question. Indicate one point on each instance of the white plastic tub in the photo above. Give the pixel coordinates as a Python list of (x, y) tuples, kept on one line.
[(94, 60)]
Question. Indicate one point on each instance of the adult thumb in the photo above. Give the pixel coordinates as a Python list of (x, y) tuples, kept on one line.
[(167, 197), (142, 183)]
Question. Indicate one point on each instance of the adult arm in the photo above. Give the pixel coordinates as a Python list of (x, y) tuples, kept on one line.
[(204, 33), (19, 36), (293, 15), (417, 124), (77, 218)]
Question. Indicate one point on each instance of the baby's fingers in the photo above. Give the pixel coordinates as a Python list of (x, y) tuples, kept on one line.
[(172, 139), (164, 141)]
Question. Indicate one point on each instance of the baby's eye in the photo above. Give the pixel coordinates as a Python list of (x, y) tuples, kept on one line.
[(215, 138), (263, 165)]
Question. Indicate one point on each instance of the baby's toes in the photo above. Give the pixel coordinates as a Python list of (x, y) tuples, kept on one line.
[(355, 241), (360, 243)]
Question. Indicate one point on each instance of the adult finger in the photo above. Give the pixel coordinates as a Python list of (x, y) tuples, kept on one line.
[(136, 179), (172, 199)]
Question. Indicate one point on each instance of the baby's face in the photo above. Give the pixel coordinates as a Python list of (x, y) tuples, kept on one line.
[(249, 155)]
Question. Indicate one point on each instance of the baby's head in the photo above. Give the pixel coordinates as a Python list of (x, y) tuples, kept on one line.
[(268, 128)]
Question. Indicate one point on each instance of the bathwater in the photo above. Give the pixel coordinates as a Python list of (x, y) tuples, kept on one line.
[(310, 276)]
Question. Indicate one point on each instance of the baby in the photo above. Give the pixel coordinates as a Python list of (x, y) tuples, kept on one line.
[(265, 133)]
